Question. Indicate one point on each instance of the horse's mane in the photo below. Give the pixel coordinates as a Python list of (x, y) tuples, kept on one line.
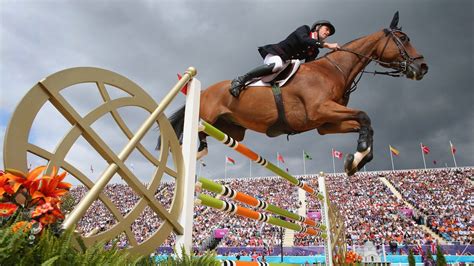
[(343, 46)]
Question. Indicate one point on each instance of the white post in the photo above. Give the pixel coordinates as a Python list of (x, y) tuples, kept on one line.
[(325, 219), (384, 254), (190, 135)]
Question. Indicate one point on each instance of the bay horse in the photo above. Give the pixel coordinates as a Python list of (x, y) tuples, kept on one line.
[(316, 97)]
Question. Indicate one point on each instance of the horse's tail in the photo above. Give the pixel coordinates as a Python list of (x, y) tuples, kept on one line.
[(177, 122)]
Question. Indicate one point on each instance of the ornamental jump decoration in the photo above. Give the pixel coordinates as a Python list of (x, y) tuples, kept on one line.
[(48, 90)]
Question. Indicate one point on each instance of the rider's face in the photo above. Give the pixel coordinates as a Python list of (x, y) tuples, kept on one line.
[(324, 32)]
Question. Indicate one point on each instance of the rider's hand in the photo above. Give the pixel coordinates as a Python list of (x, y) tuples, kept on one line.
[(333, 46)]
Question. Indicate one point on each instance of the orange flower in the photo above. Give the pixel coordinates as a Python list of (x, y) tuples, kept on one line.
[(51, 188), (41, 209), (29, 182), (57, 213), (5, 186), (22, 224), (7, 209), (47, 219)]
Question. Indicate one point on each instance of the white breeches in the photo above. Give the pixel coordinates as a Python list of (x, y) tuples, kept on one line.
[(274, 59)]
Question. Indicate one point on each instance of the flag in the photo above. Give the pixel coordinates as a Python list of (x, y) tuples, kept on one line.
[(229, 160), (280, 157), (453, 149), (337, 154), (425, 149), (307, 156), (394, 151), (184, 89)]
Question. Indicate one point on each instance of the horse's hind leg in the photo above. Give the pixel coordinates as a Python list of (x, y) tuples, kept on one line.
[(202, 150), (234, 131)]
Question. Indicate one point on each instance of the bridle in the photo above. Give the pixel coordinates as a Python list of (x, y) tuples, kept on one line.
[(399, 67)]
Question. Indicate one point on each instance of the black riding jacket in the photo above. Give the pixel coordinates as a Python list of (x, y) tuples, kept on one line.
[(298, 45)]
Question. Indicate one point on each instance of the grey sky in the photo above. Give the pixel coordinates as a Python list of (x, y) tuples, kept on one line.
[(150, 41)]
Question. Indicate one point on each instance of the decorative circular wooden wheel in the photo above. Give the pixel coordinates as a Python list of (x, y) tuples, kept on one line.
[(17, 147)]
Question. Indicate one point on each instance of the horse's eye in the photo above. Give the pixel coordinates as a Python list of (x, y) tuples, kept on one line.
[(403, 38)]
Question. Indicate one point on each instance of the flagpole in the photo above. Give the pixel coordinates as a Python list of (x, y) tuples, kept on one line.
[(200, 168), (391, 157), (225, 168), (304, 164), (333, 163), (423, 154), (250, 167), (452, 153), (278, 161)]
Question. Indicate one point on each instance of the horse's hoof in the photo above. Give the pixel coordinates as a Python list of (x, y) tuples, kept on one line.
[(362, 146), (201, 154), (348, 168)]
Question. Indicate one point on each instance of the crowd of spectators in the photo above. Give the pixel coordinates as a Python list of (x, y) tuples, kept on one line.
[(369, 208), (444, 196)]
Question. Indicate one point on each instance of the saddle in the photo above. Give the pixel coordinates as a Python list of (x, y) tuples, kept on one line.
[(276, 81), (280, 78)]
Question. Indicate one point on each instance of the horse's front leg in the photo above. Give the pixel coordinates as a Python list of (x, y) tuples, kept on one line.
[(340, 119), (364, 154)]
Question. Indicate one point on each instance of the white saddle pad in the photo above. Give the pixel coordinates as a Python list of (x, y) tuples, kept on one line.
[(264, 81)]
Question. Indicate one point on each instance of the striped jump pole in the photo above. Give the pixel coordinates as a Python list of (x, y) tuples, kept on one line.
[(242, 149), (225, 206), (226, 191)]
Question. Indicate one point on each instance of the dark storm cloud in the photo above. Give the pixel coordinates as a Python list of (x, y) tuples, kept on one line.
[(150, 41)]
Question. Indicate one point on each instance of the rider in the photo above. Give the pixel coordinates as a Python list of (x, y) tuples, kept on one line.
[(302, 44)]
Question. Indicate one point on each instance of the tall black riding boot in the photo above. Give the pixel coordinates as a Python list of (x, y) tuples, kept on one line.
[(239, 83)]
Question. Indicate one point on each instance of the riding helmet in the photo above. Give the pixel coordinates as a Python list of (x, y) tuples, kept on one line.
[(324, 23)]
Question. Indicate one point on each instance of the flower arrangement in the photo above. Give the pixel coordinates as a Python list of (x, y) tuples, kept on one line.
[(31, 210), (31, 201), (351, 258)]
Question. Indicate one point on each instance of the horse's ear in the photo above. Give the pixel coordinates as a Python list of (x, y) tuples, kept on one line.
[(394, 23)]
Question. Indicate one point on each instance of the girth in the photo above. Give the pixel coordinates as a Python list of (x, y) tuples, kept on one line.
[(281, 125)]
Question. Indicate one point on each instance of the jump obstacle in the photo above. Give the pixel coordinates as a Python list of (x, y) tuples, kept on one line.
[(179, 218), (260, 204), (330, 246)]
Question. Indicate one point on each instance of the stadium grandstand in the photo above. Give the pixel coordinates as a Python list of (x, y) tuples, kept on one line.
[(396, 210)]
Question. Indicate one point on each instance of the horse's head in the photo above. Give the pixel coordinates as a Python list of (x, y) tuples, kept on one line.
[(396, 52)]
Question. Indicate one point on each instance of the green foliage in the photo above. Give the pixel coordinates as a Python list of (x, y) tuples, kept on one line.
[(46, 248), (440, 259), (67, 203), (429, 255), (411, 258), (185, 259)]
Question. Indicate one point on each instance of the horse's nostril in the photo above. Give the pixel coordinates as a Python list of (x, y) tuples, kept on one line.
[(424, 68)]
